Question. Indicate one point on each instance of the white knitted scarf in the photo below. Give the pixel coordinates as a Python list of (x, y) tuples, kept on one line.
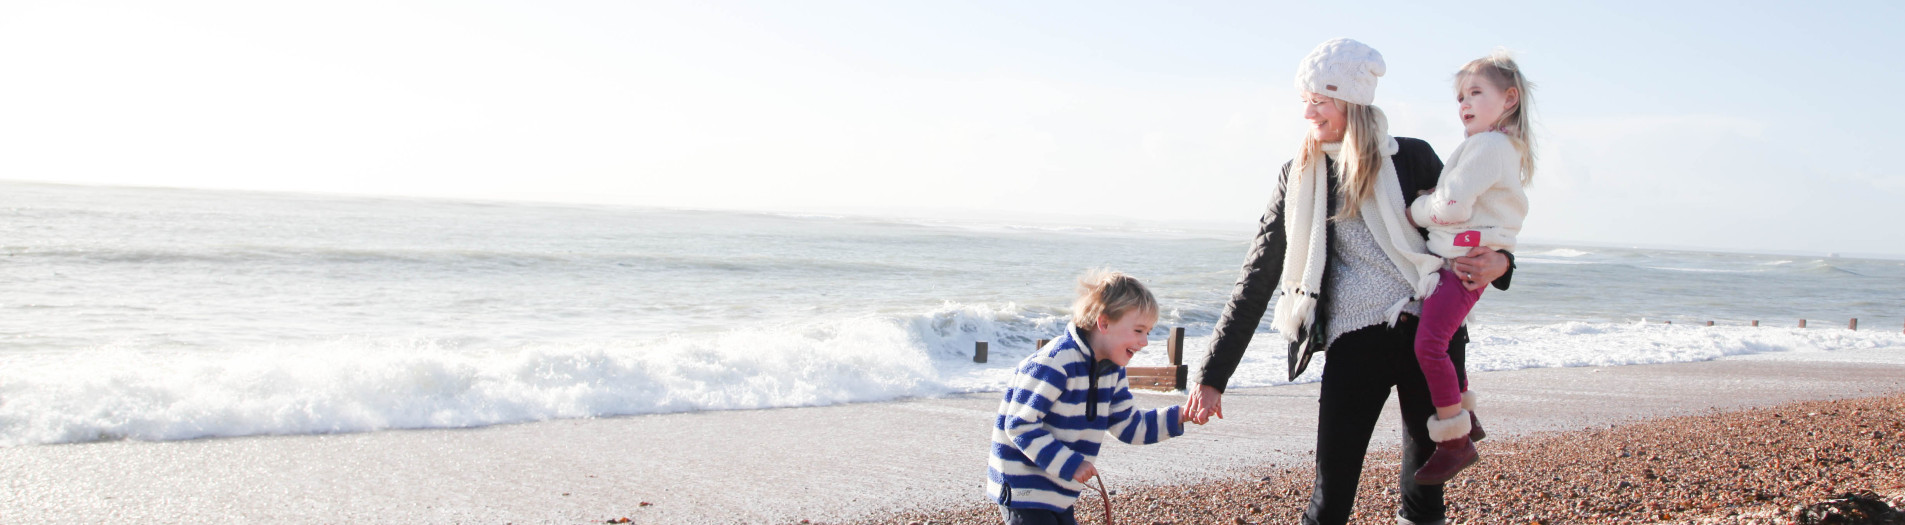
[(1305, 223)]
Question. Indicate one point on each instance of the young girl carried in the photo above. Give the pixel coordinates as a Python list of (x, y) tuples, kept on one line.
[(1478, 204)]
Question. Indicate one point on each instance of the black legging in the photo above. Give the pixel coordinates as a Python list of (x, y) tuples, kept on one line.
[(1037, 517), (1358, 371)]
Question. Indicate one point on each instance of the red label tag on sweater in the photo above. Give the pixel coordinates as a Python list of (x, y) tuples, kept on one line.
[(1468, 238)]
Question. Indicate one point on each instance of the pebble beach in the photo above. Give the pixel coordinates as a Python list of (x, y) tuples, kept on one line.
[(1752, 466)]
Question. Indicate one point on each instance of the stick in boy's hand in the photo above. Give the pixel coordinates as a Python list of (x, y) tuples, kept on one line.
[(1085, 472)]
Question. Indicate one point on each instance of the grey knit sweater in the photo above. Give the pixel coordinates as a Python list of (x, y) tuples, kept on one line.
[(1363, 283)]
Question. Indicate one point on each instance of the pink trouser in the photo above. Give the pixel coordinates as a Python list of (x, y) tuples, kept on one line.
[(1442, 314)]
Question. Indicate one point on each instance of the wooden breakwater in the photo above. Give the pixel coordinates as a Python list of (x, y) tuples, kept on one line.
[(1851, 324), (1172, 377)]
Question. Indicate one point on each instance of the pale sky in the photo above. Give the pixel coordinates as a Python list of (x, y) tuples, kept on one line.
[(1756, 127)]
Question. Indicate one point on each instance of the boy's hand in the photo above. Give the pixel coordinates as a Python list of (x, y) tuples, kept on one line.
[(1085, 472)]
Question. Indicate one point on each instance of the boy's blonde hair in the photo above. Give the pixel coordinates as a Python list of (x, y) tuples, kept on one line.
[(1362, 154), (1111, 294), (1500, 69)]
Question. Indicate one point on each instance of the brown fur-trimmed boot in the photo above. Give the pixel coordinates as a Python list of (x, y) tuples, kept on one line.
[(1468, 403), (1453, 449)]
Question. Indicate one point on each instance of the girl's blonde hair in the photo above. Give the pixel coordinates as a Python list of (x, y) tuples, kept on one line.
[(1362, 155), (1111, 294), (1500, 69)]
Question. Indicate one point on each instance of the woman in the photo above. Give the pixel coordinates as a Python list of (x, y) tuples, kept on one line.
[(1337, 247)]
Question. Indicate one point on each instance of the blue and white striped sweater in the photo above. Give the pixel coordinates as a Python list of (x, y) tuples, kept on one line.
[(1044, 431)]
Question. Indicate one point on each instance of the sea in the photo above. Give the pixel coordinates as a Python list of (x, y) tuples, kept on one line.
[(169, 314)]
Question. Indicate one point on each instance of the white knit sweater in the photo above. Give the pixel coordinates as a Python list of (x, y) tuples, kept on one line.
[(1480, 189)]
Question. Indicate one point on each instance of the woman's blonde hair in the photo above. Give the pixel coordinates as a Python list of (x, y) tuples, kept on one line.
[(1500, 70), (1362, 154), (1111, 294)]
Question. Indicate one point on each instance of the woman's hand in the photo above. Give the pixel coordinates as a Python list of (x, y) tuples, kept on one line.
[(1205, 402), (1481, 266)]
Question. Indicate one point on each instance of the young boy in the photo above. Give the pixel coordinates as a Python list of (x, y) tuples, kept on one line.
[(1066, 396)]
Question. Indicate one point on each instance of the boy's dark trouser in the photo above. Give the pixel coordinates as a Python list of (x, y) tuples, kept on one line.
[(1358, 371), (1037, 517)]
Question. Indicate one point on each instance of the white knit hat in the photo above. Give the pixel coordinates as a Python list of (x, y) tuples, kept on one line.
[(1341, 68)]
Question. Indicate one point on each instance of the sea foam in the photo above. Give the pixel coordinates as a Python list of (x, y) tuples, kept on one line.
[(353, 385)]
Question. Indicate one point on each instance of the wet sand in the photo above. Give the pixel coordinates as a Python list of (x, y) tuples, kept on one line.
[(861, 462)]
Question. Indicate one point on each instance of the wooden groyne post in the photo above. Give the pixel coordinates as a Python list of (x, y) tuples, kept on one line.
[(979, 351), (1173, 377), (1851, 324)]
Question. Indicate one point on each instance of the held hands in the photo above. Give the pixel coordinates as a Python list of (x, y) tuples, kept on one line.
[(1085, 472), (1205, 402), (1184, 416), (1481, 266)]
